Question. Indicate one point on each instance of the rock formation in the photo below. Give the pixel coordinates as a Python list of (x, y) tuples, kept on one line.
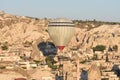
[(22, 30), (94, 73)]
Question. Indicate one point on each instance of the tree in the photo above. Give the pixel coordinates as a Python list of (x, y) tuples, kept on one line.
[(107, 59), (115, 48), (95, 56), (36, 61), (4, 46), (27, 44), (99, 48), (50, 62)]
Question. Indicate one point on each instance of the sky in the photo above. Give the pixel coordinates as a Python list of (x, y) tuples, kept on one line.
[(102, 10)]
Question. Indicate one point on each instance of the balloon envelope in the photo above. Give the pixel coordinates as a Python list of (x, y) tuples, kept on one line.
[(61, 31)]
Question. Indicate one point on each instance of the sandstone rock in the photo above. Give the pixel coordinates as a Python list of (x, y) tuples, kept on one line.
[(19, 29)]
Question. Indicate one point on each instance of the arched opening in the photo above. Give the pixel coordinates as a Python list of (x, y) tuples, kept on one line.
[(47, 48)]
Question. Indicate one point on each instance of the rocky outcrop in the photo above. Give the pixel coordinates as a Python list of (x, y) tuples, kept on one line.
[(94, 73), (19, 30), (107, 35)]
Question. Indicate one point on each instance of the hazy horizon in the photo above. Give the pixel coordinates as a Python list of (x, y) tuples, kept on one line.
[(101, 10)]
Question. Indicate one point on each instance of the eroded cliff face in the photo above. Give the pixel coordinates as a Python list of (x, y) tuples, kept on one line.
[(107, 35), (22, 31)]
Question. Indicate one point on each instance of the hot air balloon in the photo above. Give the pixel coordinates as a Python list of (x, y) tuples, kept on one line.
[(61, 30)]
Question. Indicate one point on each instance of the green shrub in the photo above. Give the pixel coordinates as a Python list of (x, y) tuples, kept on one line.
[(84, 61), (4, 47), (95, 57), (115, 47), (107, 59), (27, 44), (33, 67), (36, 61), (50, 62), (105, 79), (24, 67), (2, 67), (99, 48)]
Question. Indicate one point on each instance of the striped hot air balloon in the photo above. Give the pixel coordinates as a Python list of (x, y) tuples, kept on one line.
[(61, 31)]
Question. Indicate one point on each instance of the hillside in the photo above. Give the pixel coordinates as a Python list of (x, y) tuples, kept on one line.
[(27, 32)]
